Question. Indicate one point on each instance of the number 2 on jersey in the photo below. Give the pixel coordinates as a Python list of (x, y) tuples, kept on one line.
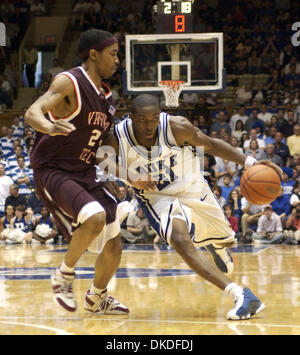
[(94, 137)]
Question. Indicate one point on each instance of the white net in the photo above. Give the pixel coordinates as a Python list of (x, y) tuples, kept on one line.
[(172, 90)]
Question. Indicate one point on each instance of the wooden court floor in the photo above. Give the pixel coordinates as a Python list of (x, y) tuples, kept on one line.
[(164, 296)]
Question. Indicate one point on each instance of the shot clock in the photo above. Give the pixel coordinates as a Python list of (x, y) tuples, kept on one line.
[(174, 16)]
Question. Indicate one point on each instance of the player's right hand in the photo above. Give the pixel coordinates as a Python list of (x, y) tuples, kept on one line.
[(61, 128)]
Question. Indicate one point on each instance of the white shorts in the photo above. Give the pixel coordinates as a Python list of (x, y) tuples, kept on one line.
[(198, 207)]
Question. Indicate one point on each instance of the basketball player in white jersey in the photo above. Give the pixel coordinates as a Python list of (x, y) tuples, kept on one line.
[(151, 144)]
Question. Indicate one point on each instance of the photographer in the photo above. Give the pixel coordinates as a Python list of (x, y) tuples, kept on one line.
[(269, 228)]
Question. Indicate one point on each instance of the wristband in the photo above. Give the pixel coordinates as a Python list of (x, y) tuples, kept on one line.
[(249, 162)]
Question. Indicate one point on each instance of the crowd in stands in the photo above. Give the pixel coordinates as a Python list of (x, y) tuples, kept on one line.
[(263, 119)]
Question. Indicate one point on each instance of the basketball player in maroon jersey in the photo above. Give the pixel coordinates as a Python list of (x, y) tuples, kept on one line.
[(71, 119)]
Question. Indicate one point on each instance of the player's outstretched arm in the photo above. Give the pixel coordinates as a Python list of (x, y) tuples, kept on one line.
[(60, 89), (185, 133)]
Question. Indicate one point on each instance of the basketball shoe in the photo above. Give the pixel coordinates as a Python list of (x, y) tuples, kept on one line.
[(222, 258), (62, 285), (246, 305), (103, 304)]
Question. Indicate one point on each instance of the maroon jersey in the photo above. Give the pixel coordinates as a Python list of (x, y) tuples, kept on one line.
[(92, 118)]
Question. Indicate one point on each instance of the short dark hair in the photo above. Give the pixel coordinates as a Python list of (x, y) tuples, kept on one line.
[(144, 100), (89, 39)]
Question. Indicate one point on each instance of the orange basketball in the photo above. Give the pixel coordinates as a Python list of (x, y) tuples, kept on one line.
[(260, 184)]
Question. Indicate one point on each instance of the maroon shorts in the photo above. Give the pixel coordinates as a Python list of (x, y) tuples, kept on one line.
[(65, 194)]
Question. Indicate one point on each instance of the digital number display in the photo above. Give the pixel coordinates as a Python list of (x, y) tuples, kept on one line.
[(174, 17), (172, 7), (174, 23), (179, 23)]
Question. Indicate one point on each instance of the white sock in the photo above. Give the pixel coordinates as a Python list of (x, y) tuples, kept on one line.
[(64, 268), (233, 289), (98, 291)]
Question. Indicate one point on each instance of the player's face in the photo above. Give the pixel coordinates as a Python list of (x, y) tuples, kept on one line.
[(108, 61), (146, 121)]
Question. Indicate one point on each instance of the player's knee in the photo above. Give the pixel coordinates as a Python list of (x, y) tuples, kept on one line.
[(95, 224)]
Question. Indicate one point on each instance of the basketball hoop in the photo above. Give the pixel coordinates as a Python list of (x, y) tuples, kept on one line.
[(172, 90)]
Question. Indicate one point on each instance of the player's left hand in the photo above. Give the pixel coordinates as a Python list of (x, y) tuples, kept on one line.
[(271, 165)]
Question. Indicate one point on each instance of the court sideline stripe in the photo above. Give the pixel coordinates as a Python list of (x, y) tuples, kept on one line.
[(239, 323)]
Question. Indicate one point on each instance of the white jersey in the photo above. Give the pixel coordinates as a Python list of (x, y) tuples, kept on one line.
[(175, 168), (181, 192)]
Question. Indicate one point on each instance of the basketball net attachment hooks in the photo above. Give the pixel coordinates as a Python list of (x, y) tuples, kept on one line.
[(172, 90)]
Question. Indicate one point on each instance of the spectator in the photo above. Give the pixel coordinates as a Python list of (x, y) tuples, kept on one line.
[(287, 67), (18, 128), (217, 190), (23, 177), (190, 99), (260, 93), (273, 107), (254, 150), (281, 206), (209, 173), (219, 107), (254, 64), (19, 227), (79, 11), (253, 135), (5, 220), (269, 155), (282, 150), (234, 201), (14, 199), (287, 128), (254, 120), (238, 116), (12, 160), (56, 69), (123, 194), (250, 216), (30, 60), (221, 123), (269, 228), (234, 223), (292, 76), (7, 143), (37, 8), (95, 5), (226, 187), (35, 203), (202, 109), (5, 183), (287, 183), (295, 196), (270, 139), (293, 141), (238, 130), (5, 85), (264, 115), (244, 94), (138, 228), (45, 227), (292, 226)]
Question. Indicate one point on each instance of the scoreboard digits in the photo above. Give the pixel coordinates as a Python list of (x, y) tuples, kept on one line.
[(174, 16)]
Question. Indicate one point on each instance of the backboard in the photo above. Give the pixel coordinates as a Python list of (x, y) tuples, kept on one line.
[(195, 58)]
